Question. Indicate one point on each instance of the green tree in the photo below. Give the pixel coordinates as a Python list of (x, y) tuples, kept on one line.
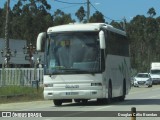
[(144, 35), (150, 37), (29, 18), (157, 43), (2, 22), (16, 20), (97, 17), (136, 30), (117, 24), (80, 14), (60, 18), (151, 12)]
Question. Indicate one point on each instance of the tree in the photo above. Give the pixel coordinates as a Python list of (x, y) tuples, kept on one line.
[(97, 17), (80, 14), (29, 18), (144, 35), (157, 42), (2, 22), (151, 12), (117, 25), (138, 49), (60, 18)]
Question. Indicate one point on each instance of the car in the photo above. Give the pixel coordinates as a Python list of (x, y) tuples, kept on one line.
[(142, 79)]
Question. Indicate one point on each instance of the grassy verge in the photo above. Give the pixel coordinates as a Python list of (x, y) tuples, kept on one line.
[(20, 94)]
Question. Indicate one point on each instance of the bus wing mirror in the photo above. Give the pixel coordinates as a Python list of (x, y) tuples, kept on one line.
[(102, 40), (40, 38)]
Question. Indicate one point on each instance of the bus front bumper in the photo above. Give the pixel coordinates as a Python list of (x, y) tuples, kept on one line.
[(76, 94)]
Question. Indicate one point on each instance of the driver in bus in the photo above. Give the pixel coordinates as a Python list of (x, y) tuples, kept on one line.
[(64, 54)]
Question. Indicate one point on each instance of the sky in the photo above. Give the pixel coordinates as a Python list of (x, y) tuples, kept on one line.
[(111, 9)]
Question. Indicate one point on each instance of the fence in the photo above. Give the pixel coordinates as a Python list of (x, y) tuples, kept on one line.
[(20, 76)]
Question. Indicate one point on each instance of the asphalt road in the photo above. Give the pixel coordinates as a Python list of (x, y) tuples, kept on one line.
[(143, 99)]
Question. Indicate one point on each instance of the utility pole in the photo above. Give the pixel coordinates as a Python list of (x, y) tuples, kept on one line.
[(88, 10), (6, 33), (7, 53)]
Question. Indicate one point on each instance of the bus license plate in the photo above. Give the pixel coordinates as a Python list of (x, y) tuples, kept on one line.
[(71, 93)]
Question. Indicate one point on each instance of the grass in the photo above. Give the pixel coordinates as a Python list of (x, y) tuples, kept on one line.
[(20, 94)]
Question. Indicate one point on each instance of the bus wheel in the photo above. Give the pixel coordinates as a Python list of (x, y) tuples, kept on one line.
[(121, 98), (109, 99), (150, 86), (57, 102)]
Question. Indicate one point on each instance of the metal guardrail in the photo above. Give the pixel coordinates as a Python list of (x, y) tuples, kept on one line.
[(20, 76)]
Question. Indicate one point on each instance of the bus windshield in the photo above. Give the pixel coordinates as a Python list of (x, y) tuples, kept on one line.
[(72, 53)]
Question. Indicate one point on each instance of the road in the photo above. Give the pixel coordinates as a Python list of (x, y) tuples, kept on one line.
[(143, 99)]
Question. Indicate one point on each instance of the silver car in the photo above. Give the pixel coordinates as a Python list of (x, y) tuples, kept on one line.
[(142, 79)]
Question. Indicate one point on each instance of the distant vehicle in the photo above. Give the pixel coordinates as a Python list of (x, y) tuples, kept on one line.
[(155, 72), (142, 79)]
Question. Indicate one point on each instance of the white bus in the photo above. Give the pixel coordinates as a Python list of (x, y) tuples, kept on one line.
[(85, 61)]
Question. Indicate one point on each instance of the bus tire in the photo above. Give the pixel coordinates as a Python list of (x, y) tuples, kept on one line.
[(109, 99), (121, 98), (57, 102), (150, 86)]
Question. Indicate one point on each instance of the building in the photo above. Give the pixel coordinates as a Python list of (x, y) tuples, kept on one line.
[(20, 59)]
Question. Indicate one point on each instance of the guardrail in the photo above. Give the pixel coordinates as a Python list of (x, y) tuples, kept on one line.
[(20, 76)]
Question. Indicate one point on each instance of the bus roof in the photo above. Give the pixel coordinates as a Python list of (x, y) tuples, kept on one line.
[(84, 27)]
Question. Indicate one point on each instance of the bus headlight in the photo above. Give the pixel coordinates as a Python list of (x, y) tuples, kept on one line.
[(96, 84)]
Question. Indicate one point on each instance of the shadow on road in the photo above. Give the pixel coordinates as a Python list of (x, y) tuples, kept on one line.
[(141, 102), (115, 102)]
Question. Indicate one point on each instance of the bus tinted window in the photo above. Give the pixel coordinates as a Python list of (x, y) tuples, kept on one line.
[(117, 44)]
